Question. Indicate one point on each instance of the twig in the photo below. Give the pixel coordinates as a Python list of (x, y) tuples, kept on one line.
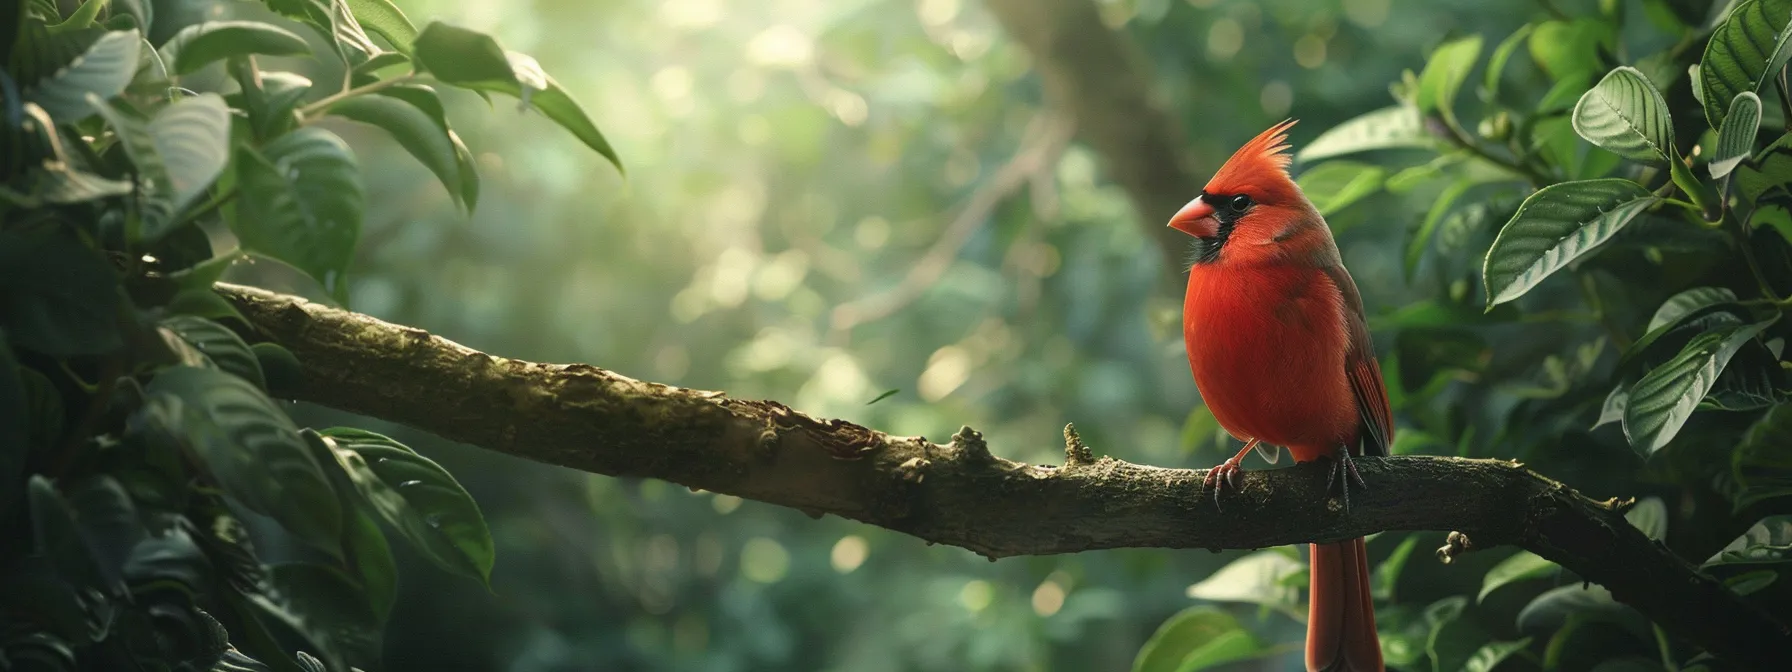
[(1044, 143)]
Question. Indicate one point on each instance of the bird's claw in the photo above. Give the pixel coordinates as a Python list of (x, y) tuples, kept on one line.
[(1222, 475), (1343, 473)]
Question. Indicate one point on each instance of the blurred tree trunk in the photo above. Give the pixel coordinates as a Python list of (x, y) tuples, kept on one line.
[(1101, 79)]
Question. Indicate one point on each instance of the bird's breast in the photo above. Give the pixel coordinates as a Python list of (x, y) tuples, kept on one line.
[(1266, 346)]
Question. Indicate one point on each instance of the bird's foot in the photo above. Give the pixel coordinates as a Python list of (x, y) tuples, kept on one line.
[(1226, 473), (1343, 473)]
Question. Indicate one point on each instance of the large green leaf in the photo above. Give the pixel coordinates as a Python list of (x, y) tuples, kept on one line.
[(1767, 541), (1569, 49), (1649, 516), (1687, 301), (302, 203), (420, 498), (413, 116), (104, 69), (1489, 656), (1445, 71), (220, 345), (1736, 141), (1386, 128), (252, 448), (1197, 638), (1520, 566), (193, 138), (1496, 64), (371, 557), (202, 44), (1743, 53), (1549, 610), (1387, 574), (1625, 114), (1555, 226), (1264, 577), (1334, 185), (58, 296), (1421, 238), (386, 20), (473, 60), (1666, 397)]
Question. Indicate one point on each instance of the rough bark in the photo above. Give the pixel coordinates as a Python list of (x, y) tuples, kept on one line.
[(586, 418), (1104, 83)]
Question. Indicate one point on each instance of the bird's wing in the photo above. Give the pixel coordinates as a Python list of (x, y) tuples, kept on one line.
[(1366, 384)]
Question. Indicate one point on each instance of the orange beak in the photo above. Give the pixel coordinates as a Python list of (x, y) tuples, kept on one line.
[(1196, 219)]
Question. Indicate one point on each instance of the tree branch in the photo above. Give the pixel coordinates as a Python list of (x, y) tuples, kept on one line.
[(586, 418), (1105, 84)]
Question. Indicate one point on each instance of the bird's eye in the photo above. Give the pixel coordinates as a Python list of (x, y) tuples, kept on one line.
[(1240, 202)]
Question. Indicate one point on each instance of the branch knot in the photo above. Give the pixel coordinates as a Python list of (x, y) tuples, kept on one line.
[(1076, 453), (970, 441)]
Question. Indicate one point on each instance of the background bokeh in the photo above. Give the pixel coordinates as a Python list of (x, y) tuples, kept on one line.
[(826, 200)]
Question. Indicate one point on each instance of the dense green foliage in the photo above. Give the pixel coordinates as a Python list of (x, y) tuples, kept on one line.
[(790, 163), (131, 411)]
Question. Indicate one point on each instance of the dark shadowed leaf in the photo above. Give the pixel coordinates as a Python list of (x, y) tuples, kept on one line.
[(16, 414), (1488, 657), (201, 44), (1650, 516), (254, 451), (423, 133), (302, 203), (1762, 464), (417, 496), (385, 20), (1666, 397), (365, 545), (1520, 566), (220, 345), (1553, 607), (1687, 301), (1555, 226), (333, 606), (1197, 638), (1387, 574), (1624, 113), (60, 295)]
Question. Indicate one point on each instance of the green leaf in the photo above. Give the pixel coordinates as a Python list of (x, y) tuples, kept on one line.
[(302, 203), (61, 296), (1520, 566), (1569, 49), (417, 496), (1554, 227), (371, 557), (1688, 301), (1489, 656), (1197, 638), (1650, 516), (1666, 397), (1768, 541), (332, 605), (469, 172), (885, 395), (1496, 64), (252, 448), (1388, 572), (192, 137), (422, 132), (1553, 607), (1261, 578), (201, 44), (1386, 128), (1421, 239), (1762, 463), (104, 69), (1335, 185), (473, 60), (1736, 141), (16, 415), (1438, 616), (220, 345), (1751, 582), (387, 21), (1625, 114), (1743, 53), (1445, 71)]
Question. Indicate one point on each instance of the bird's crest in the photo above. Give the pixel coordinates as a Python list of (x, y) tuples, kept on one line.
[(1262, 163)]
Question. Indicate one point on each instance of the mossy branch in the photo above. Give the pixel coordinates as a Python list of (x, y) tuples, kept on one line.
[(583, 417)]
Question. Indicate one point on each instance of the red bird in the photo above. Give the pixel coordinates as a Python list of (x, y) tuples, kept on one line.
[(1276, 339)]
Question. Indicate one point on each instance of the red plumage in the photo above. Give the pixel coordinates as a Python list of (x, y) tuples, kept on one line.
[(1279, 349)]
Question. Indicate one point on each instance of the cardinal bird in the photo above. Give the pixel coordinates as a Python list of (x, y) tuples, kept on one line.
[(1276, 339)]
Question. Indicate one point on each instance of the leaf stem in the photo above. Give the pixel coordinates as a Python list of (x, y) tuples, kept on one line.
[(318, 107), (1462, 139), (208, 208)]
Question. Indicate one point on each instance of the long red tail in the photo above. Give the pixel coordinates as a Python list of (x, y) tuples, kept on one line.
[(1340, 615)]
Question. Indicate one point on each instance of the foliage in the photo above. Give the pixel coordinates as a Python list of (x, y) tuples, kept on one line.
[(138, 437), (1645, 202)]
